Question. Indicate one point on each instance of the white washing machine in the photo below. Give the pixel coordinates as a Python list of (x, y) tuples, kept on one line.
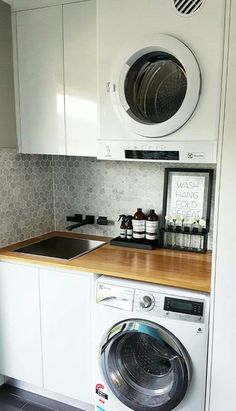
[(160, 69), (150, 347)]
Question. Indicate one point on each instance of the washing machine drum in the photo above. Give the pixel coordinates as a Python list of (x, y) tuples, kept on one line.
[(145, 366), (159, 87)]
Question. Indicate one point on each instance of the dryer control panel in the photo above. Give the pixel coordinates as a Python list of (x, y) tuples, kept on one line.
[(168, 151)]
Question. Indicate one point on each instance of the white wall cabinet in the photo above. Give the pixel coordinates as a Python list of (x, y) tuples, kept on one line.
[(7, 101), (80, 78), (66, 333), (18, 5), (20, 338), (41, 82), (56, 84)]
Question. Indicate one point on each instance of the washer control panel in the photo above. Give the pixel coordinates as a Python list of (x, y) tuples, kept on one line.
[(169, 306), (156, 304)]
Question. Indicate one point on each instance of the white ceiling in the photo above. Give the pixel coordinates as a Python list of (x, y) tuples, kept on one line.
[(32, 4)]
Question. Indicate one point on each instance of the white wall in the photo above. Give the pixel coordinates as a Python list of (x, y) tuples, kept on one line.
[(223, 381)]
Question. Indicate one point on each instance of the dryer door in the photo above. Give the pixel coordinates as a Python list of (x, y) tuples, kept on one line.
[(145, 366), (158, 87)]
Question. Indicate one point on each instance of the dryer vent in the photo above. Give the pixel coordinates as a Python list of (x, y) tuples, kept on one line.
[(188, 7)]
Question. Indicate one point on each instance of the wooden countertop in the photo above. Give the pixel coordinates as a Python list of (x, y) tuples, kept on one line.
[(166, 267)]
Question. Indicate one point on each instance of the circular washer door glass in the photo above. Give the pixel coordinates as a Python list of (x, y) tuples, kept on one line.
[(145, 366), (155, 87)]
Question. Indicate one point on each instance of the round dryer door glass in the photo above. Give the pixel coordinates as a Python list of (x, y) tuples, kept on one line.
[(145, 366), (155, 87)]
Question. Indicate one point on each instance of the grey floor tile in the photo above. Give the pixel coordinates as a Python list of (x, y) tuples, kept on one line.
[(9, 402), (46, 402), (36, 407), (21, 399)]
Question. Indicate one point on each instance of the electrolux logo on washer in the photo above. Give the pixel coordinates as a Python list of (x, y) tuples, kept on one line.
[(161, 81)]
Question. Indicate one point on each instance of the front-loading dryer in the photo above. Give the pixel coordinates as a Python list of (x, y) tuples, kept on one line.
[(160, 69), (149, 347)]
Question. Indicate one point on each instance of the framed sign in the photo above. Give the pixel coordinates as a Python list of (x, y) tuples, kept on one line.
[(187, 194)]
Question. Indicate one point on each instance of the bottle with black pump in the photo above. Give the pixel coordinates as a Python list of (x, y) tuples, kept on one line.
[(129, 227), (123, 230)]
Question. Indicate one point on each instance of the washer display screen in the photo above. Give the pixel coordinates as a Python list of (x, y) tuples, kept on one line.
[(183, 306)]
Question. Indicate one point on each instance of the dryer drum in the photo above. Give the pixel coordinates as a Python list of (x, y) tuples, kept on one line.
[(145, 366), (155, 87)]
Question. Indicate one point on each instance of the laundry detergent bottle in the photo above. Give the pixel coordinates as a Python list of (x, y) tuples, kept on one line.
[(152, 226), (139, 224)]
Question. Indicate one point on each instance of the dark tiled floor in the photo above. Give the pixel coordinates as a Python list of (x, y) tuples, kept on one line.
[(13, 399)]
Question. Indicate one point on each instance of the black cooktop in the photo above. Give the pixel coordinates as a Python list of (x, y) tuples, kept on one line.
[(61, 247)]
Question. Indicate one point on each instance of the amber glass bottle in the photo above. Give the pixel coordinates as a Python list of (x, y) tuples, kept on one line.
[(139, 224), (152, 226)]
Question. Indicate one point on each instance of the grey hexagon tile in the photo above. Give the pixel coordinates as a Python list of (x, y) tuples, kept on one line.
[(37, 192), (26, 196), (88, 186)]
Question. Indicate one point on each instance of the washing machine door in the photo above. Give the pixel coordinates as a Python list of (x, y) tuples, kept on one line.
[(145, 366), (158, 87)]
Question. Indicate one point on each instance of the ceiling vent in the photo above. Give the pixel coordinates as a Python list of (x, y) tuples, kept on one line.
[(188, 7)]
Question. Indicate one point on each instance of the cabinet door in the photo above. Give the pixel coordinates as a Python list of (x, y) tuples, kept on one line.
[(7, 103), (66, 336), (80, 78), (20, 339), (41, 83)]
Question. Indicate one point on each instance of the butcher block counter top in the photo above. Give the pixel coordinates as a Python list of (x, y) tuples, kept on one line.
[(166, 267)]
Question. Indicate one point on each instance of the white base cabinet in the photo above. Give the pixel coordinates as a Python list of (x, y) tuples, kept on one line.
[(20, 337), (66, 333), (45, 328)]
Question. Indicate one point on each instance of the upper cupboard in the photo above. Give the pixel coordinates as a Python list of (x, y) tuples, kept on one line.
[(56, 88), (7, 107)]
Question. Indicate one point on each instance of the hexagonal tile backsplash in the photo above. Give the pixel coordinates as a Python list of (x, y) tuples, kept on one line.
[(107, 188), (38, 192), (26, 196)]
